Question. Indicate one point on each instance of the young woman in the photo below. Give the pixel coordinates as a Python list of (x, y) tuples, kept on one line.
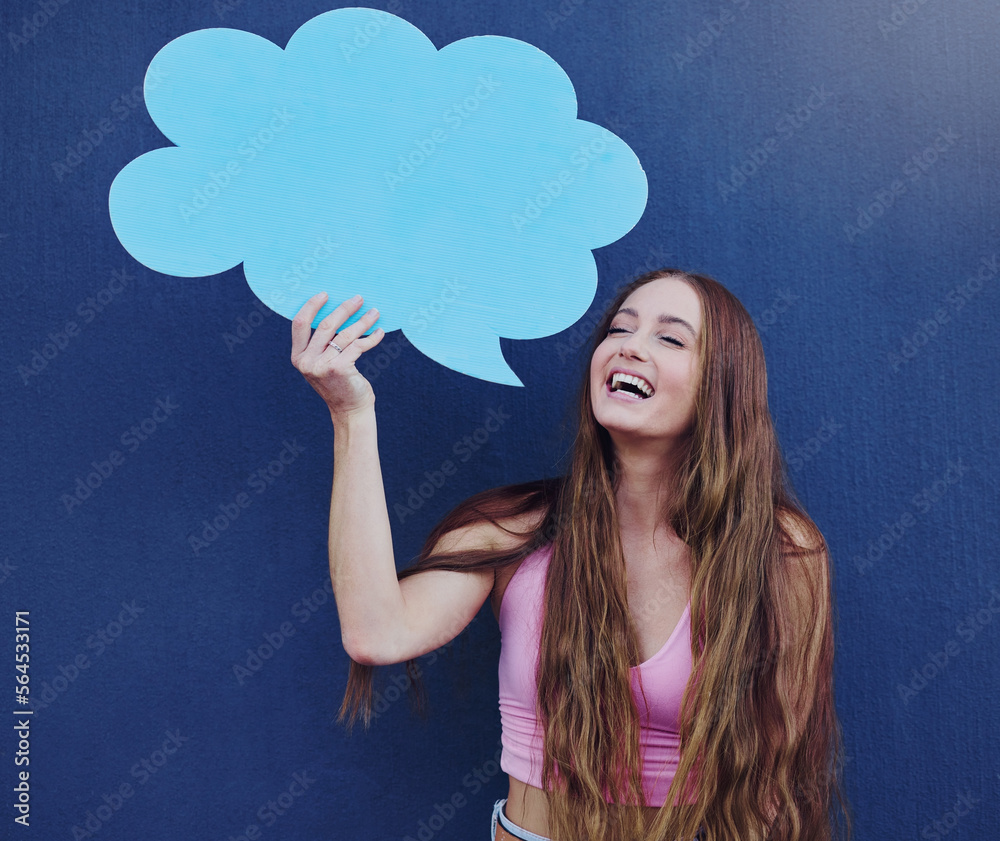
[(665, 607)]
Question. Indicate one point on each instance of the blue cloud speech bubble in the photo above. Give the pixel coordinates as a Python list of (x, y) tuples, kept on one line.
[(455, 188)]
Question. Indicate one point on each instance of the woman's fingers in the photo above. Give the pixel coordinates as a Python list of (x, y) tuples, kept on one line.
[(349, 335), (357, 346), (302, 323)]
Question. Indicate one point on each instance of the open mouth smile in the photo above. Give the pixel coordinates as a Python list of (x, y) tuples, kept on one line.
[(628, 387)]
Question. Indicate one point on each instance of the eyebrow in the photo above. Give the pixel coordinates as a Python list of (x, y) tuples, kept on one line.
[(663, 319)]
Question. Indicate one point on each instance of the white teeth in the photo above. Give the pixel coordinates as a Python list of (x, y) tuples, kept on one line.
[(643, 386)]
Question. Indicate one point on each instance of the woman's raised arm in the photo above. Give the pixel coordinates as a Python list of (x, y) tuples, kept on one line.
[(381, 621)]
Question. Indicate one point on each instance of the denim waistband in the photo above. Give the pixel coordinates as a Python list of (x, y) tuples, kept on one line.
[(510, 826), (524, 834)]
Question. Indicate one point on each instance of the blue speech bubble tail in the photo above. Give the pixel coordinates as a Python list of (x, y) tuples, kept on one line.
[(476, 354)]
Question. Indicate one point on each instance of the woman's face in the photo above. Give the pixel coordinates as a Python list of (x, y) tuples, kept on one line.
[(653, 336)]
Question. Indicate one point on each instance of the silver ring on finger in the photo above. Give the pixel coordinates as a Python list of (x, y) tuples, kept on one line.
[(334, 345)]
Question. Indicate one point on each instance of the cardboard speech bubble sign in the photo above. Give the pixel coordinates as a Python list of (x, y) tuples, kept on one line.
[(455, 188)]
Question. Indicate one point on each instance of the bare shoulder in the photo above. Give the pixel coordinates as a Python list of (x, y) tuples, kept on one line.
[(504, 533)]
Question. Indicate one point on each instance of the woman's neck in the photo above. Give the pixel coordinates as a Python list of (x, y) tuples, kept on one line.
[(646, 488)]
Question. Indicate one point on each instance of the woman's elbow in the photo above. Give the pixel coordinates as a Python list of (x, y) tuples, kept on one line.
[(365, 651)]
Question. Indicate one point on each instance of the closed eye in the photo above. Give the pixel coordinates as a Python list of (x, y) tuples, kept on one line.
[(671, 339)]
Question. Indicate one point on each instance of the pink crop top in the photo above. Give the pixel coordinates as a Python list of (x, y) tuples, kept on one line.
[(664, 677)]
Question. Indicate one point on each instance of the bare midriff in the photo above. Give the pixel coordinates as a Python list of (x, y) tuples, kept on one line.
[(528, 807)]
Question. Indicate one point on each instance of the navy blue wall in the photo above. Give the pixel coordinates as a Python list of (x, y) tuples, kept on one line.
[(834, 164)]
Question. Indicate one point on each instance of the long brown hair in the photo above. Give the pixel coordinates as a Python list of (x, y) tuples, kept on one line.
[(761, 747)]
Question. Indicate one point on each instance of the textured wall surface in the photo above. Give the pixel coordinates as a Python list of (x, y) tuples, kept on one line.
[(835, 165)]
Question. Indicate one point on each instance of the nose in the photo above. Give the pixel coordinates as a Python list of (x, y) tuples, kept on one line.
[(633, 346)]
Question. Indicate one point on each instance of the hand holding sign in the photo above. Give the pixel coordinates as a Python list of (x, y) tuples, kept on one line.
[(454, 188)]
